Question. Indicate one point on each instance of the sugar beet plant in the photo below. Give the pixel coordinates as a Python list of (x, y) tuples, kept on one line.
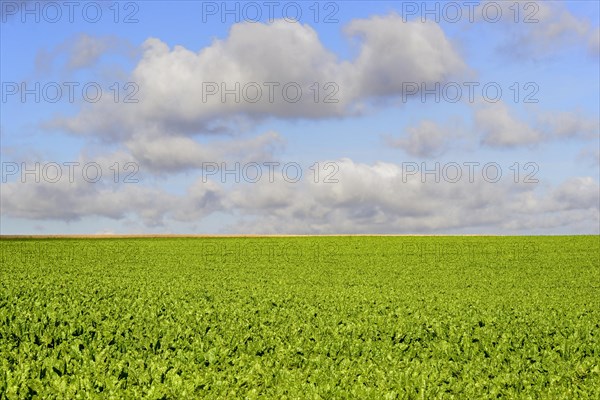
[(312, 317)]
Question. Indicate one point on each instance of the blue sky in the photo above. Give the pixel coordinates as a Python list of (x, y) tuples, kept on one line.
[(373, 59)]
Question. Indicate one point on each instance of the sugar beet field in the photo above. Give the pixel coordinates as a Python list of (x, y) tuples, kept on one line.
[(301, 317)]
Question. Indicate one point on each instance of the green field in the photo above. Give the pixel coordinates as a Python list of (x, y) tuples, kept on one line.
[(301, 317)]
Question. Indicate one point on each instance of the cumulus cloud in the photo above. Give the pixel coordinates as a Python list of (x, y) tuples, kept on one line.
[(259, 71), (542, 28), (578, 192), (171, 154), (427, 139), (394, 52), (86, 50), (376, 198), (569, 124), (381, 198), (81, 51), (500, 128), (71, 200), (591, 155)]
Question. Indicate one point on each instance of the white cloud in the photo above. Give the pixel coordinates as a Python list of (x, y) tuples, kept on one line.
[(500, 128), (576, 193), (171, 154), (542, 28), (81, 51), (175, 84), (427, 139), (394, 52), (86, 50), (72, 201), (367, 198), (569, 124), (374, 198)]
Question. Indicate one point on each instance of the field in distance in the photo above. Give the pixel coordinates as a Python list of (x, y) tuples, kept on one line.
[(301, 317)]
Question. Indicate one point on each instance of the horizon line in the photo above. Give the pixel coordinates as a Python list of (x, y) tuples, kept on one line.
[(149, 236)]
